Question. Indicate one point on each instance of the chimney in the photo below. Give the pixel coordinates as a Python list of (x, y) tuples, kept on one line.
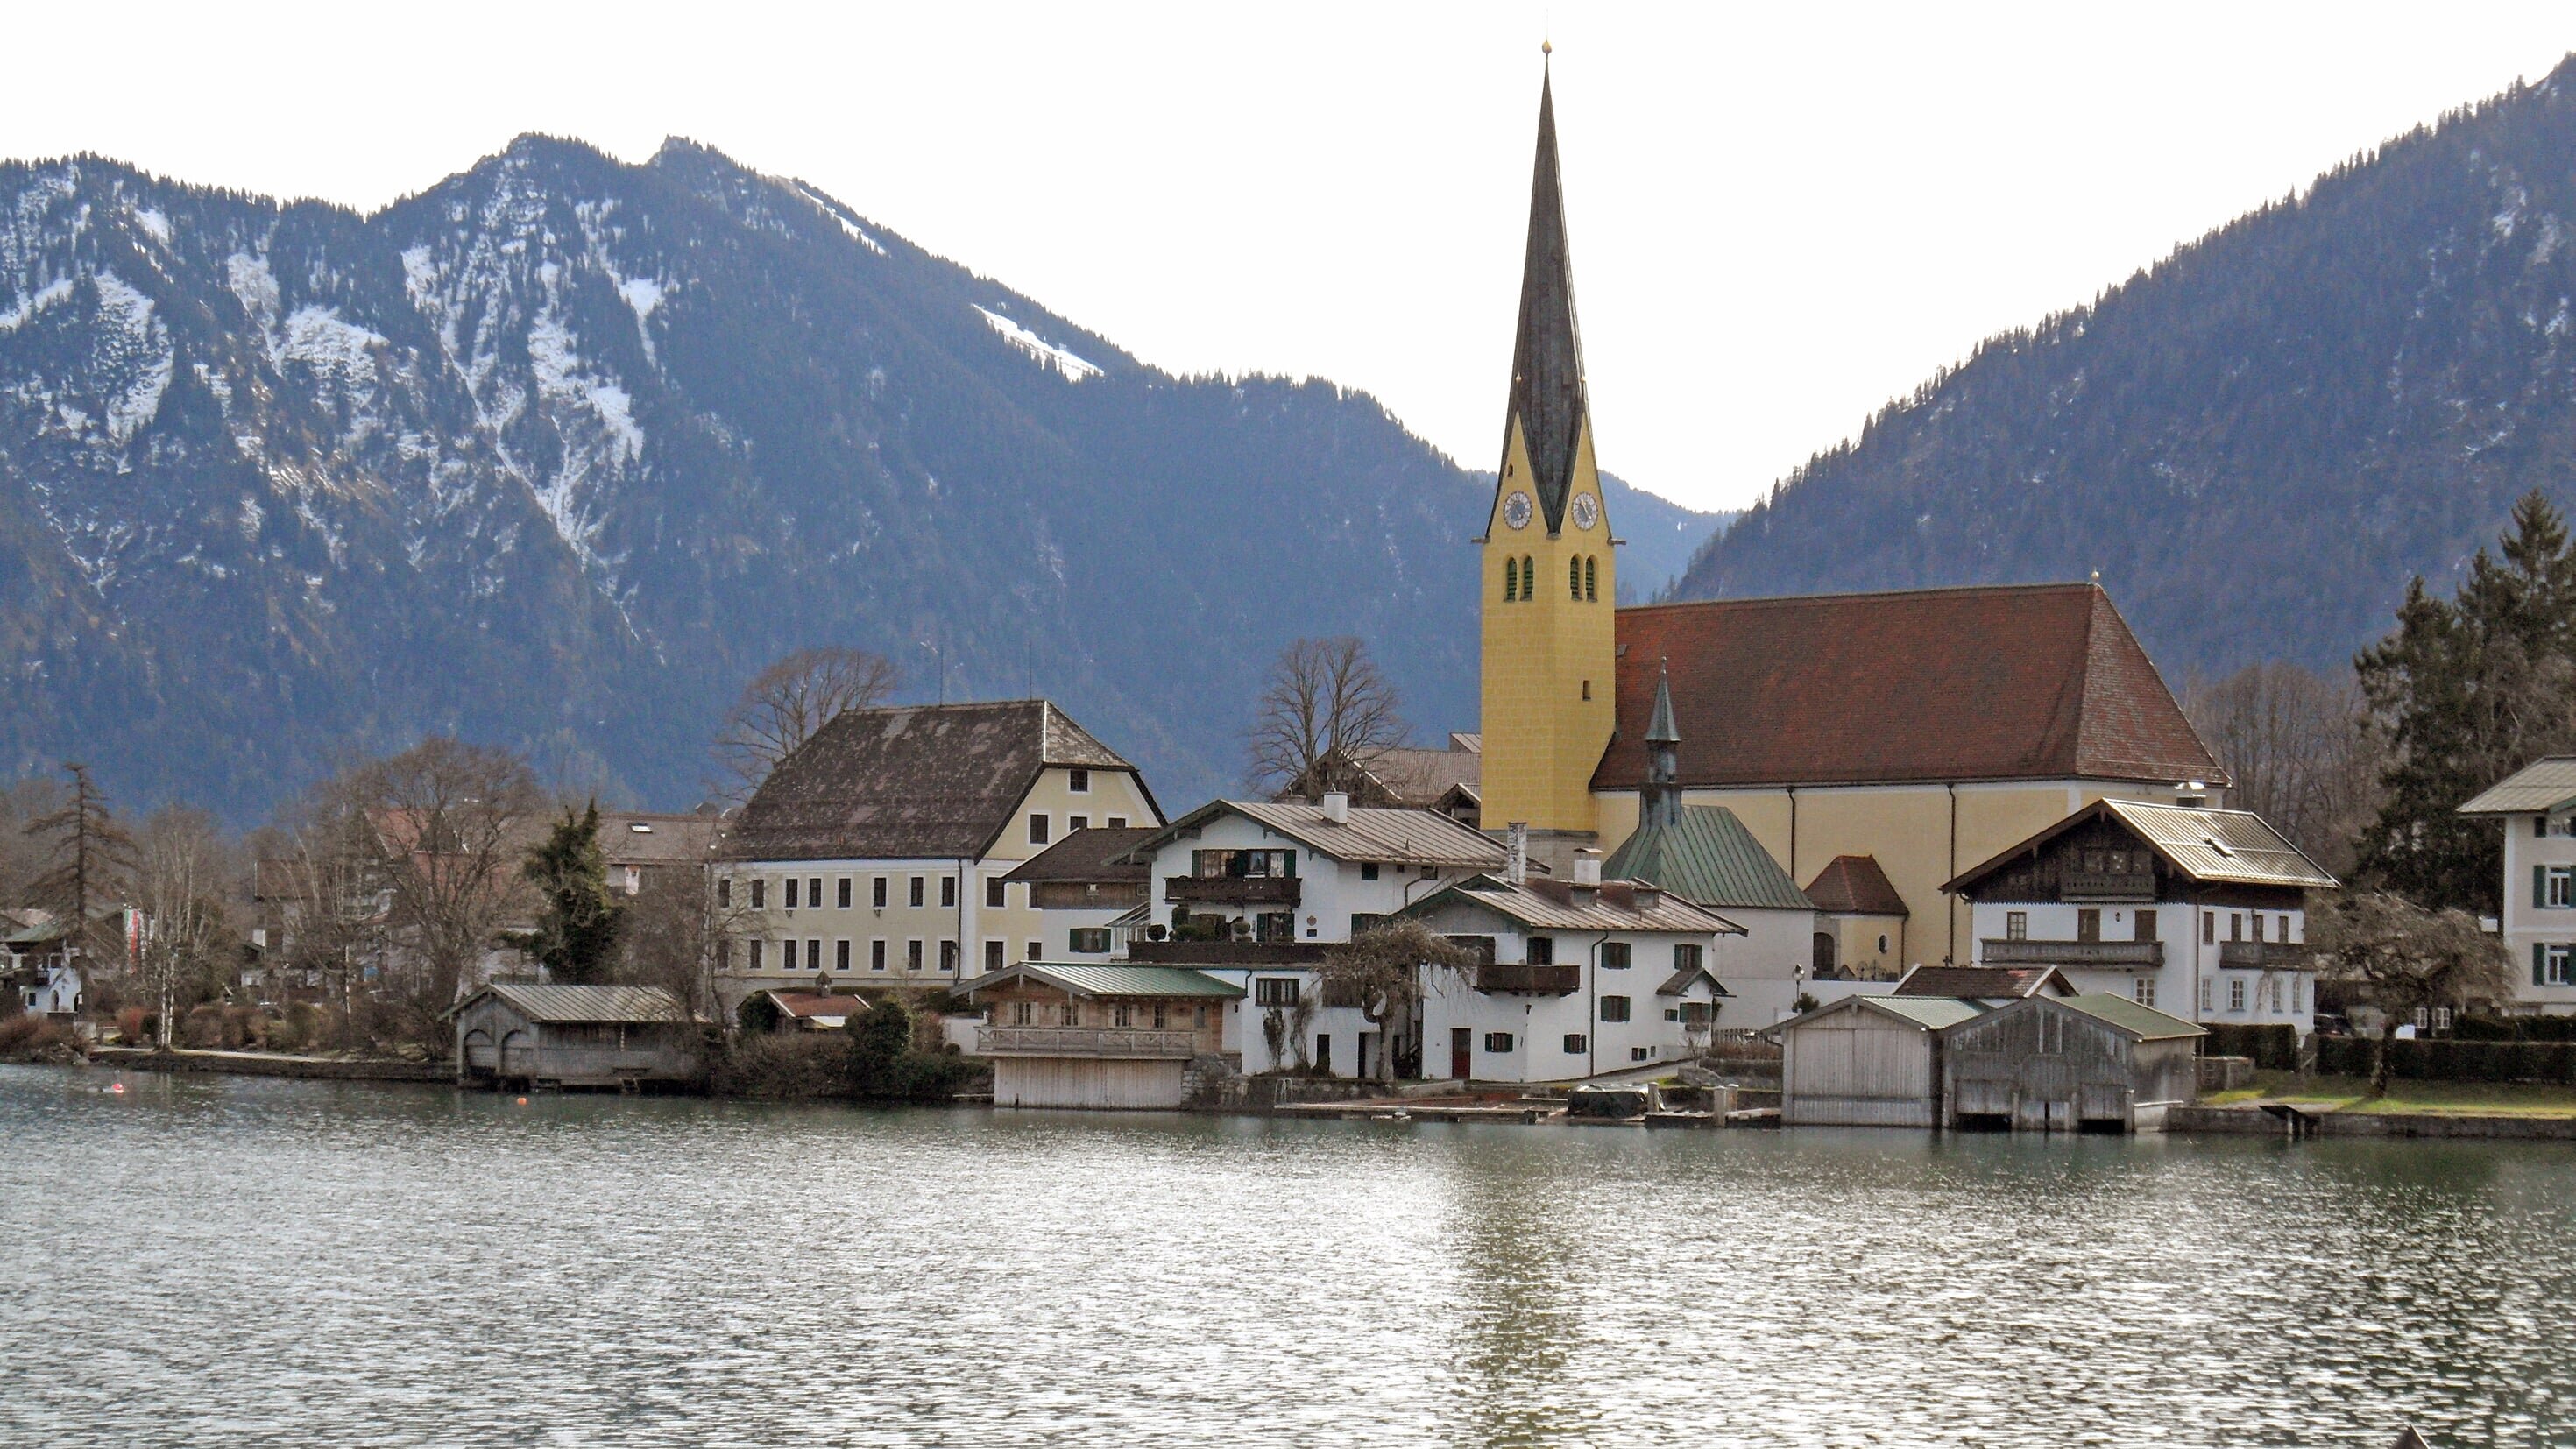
[(1587, 867), (1516, 853), (1337, 807)]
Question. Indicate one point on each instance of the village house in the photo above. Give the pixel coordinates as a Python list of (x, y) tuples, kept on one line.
[(1704, 855), (2173, 906), (38, 965), (1925, 729), (1081, 888), (2537, 804), (529, 1035), (876, 854), (1574, 978), (1405, 778), (1253, 891), (1067, 1035)]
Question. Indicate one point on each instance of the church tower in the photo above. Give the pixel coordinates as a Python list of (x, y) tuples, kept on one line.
[(1550, 580)]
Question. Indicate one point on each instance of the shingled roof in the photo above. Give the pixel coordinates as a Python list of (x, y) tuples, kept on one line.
[(1854, 885), (2003, 682), (911, 782)]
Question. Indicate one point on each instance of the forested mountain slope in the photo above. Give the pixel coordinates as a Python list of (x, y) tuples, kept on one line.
[(559, 452), (2256, 441)]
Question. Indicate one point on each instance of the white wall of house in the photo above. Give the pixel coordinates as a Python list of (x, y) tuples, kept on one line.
[(1557, 1038), (2541, 936), (2190, 979), (56, 991), (1764, 968), (1332, 893)]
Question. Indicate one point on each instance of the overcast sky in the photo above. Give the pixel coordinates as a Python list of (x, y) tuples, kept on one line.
[(1782, 215)]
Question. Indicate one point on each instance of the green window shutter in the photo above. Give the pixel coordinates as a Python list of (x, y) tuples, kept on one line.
[(2539, 964), (2539, 886), (2539, 827)]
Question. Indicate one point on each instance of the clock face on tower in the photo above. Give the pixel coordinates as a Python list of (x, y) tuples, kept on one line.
[(1516, 510), (1586, 512)]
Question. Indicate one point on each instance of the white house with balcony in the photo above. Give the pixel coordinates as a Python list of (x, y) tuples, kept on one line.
[(2199, 913), (1252, 891), (1575, 978), (2537, 804)]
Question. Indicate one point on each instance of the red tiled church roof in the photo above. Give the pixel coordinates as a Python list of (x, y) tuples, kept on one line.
[(2004, 682)]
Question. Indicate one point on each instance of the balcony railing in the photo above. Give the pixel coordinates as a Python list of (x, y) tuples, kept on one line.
[(1234, 890), (2118, 955), (1086, 1041), (2104, 885), (2262, 955), (1225, 953), (1536, 980)]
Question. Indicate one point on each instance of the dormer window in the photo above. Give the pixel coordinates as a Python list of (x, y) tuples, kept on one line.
[(1078, 781)]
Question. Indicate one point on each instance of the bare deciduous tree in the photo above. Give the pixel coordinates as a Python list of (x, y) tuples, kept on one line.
[(1385, 972), (2301, 757), (89, 864), (2404, 958), (1326, 715), (182, 869), (786, 703)]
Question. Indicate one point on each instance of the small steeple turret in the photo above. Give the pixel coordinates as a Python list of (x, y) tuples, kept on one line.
[(1661, 802)]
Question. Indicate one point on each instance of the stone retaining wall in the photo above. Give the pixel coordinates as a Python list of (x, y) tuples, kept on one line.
[(2252, 1121)]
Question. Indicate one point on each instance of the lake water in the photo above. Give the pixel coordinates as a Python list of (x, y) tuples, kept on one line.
[(221, 1261)]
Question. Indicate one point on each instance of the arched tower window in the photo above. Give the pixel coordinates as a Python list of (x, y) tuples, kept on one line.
[(1511, 579), (1574, 578), (1529, 578), (1591, 580)]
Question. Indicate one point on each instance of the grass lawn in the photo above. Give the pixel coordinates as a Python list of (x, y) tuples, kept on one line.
[(2336, 1094)]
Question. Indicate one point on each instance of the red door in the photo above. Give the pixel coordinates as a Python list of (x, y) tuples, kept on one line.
[(1462, 1057)]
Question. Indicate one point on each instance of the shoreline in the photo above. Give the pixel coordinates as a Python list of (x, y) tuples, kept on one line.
[(274, 1064)]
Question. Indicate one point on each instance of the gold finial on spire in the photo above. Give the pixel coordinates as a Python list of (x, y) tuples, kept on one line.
[(1547, 47)]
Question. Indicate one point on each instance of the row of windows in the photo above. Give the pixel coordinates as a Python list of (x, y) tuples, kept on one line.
[(1576, 1044), (1582, 579), (759, 952), (2088, 926), (1041, 825), (1615, 955), (1160, 1015), (2270, 993)]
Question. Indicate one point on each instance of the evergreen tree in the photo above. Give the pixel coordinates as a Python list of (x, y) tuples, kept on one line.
[(576, 934), (2465, 692), (880, 1039), (90, 862)]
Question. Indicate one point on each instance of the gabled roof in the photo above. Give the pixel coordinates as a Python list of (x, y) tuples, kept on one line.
[(2229, 847), (815, 1005), (1710, 858), (1853, 885), (1096, 854), (2018, 682), (1985, 983), (1556, 905), (1929, 1013), (2143, 1022), (2545, 786), (1547, 348), (1401, 837), (911, 782), (1681, 981), (582, 1005), (636, 837), (1089, 981)]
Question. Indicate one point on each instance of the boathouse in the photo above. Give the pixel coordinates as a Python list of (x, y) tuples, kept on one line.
[(1867, 1061), (2090, 1063), (1098, 1036), (537, 1035)]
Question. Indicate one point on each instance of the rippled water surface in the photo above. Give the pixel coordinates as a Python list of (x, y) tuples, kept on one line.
[(219, 1261)]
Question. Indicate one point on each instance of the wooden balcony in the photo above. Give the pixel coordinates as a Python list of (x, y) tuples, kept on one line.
[(1225, 953), (2263, 956), (1531, 980), (1130, 1043), (2114, 955), (1234, 890), (2103, 885)]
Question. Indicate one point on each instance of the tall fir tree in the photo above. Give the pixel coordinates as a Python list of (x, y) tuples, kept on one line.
[(576, 935), (90, 865), (2466, 691)]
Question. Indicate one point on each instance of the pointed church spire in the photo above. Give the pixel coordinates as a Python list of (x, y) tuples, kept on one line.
[(1661, 802), (1547, 354)]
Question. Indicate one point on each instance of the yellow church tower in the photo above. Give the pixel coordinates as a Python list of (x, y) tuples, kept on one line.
[(1550, 579)]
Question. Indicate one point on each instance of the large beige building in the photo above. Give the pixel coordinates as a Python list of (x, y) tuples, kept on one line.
[(875, 855), (1923, 730)]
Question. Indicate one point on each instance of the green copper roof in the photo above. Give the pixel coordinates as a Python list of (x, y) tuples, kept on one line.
[(1708, 859)]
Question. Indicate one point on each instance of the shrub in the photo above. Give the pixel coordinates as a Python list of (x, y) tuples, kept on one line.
[(803, 1065), (129, 1024), (27, 1037)]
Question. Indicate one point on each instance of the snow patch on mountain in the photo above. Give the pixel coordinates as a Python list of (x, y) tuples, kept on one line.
[(26, 305), (155, 223), (131, 346), (1046, 353), (832, 209)]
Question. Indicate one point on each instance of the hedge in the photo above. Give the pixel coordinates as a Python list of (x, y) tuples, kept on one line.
[(2515, 1028), (2274, 1046), (2452, 1059)]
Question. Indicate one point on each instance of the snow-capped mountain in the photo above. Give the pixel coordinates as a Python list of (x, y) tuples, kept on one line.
[(559, 452)]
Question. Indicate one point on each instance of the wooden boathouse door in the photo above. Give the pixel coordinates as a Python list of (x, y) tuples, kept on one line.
[(1462, 1053)]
